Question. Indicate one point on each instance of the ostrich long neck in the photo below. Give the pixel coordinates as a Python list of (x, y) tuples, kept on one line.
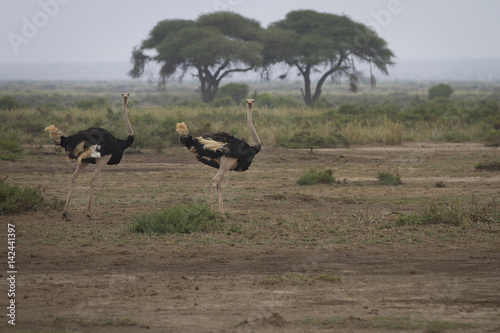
[(130, 131), (251, 128)]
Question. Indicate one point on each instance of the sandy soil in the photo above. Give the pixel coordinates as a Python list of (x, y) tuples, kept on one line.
[(94, 275)]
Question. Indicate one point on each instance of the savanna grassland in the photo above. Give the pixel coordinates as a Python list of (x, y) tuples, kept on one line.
[(398, 230), (389, 115)]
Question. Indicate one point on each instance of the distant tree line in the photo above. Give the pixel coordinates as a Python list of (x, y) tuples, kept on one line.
[(219, 44)]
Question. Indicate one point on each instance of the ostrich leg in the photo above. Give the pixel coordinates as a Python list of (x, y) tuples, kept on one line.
[(226, 164), (212, 190), (99, 165), (75, 175), (219, 191), (216, 184)]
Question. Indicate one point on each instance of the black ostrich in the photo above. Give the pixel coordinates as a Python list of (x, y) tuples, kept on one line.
[(222, 151), (92, 146)]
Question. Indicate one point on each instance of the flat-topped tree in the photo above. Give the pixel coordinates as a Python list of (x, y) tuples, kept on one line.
[(326, 44), (210, 48)]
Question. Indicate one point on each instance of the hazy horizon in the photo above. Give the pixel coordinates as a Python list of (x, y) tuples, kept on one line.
[(481, 70)]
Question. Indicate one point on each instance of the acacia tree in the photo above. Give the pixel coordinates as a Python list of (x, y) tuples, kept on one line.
[(214, 46), (327, 44)]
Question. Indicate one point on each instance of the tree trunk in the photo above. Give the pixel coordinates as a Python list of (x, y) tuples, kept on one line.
[(208, 93), (306, 92), (210, 82), (310, 100), (209, 85)]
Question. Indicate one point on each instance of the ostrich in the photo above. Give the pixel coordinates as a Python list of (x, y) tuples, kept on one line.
[(222, 151), (92, 146)]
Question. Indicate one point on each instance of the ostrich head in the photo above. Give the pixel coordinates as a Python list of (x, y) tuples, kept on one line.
[(250, 102), (125, 97), (55, 134)]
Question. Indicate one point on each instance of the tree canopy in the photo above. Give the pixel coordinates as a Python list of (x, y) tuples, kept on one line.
[(324, 43), (221, 43), (215, 45)]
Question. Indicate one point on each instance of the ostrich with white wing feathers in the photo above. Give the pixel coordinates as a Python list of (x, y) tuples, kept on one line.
[(222, 151), (92, 146)]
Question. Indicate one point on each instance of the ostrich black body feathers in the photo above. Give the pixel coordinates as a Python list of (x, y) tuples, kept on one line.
[(92, 146), (222, 151), (229, 147), (106, 143)]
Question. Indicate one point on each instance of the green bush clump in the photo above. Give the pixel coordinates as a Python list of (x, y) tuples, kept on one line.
[(8, 103), (14, 199), (461, 215), (222, 101), (10, 149), (454, 136), (165, 133), (236, 92), (489, 166), (308, 140), (182, 218), (493, 139), (316, 177), (388, 178), (351, 109), (442, 90), (90, 103), (271, 101), (433, 215)]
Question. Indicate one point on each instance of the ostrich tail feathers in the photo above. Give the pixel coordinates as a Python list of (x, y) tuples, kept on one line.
[(55, 134), (182, 129)]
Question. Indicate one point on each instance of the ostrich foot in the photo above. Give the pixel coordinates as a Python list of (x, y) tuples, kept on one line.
[(65, 216), (90, 215)]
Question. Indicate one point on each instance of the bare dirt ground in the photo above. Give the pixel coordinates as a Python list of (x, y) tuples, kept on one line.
[(316, 258)]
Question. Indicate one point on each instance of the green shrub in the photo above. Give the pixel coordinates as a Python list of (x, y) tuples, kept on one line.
[(182, 218), (235, 91), (316, 177), (98, 102), (454, 136), (441, 90), (14, 199), (271, 101), (431, 215), (8, 103), (388, 178), (351, 109), (490, 166), (493, 139), (457, 215), (310, 140), (10, 149), (165, 132), (222, 101)]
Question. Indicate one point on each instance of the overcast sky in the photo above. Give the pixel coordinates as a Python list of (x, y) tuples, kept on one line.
[(94, 31)]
